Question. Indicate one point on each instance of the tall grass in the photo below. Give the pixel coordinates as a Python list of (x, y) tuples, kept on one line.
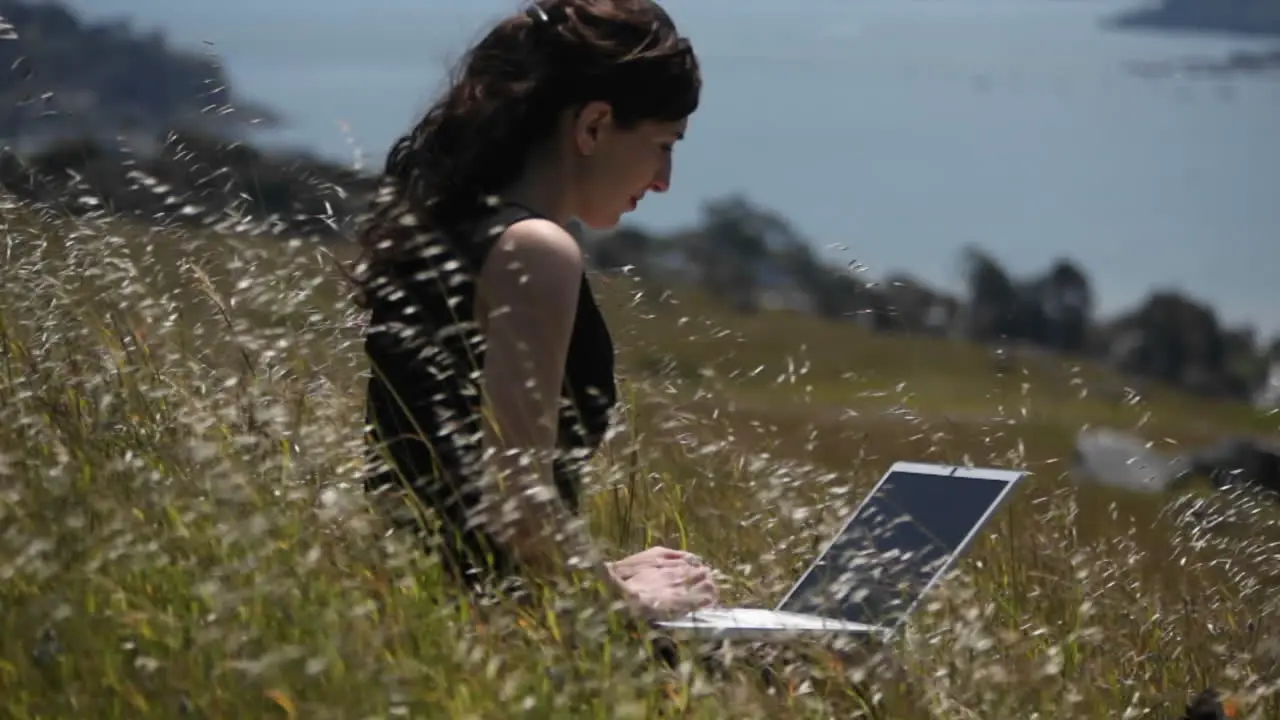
[(182, 532)]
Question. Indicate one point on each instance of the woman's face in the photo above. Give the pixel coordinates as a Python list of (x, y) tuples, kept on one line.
[(617, 166)]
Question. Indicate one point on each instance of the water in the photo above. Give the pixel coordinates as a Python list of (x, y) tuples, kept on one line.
[(902, 129)]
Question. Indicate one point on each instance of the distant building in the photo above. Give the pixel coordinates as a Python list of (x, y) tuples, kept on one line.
[(777, 290), (1268, 396)]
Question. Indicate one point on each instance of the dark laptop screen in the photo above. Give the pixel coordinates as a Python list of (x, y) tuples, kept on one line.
[(900, 538)]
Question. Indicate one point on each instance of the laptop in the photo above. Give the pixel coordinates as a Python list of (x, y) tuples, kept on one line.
[(900, 541)]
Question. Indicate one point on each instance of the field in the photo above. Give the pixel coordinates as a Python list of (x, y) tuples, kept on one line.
[(182, 532)]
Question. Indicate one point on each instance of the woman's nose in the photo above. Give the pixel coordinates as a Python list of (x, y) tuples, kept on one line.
[(662, 183)]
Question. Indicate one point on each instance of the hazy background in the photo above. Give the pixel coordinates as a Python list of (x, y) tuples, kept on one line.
[(900, 129)]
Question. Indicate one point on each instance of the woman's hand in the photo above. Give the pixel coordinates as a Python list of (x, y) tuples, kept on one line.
[(662, 583), (654, 557), (667, 592)]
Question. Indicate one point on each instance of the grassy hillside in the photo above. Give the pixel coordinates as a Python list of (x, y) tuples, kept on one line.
[(182, 530)]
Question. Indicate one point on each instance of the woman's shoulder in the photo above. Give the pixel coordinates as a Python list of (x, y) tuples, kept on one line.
[(537, 243), (510, 250)]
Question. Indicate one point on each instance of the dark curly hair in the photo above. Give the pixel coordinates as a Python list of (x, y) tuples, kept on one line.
[(507, 95)]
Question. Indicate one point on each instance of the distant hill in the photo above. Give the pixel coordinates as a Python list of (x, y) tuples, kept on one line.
[(95, 116), (190, 178), (61, 76), (1248, 18), (1237, 17)]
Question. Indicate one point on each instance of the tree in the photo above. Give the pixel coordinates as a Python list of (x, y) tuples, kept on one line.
[(1179, 341), (625, 247), (737, 241), (1065, 308), (993, 299)]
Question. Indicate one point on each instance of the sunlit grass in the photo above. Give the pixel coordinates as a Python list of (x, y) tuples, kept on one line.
[(182, 532)]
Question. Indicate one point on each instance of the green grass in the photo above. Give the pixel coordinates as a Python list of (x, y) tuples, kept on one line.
[(182, 533)]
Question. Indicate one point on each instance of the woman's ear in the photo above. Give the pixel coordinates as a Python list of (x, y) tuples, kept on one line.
[(590, 124)]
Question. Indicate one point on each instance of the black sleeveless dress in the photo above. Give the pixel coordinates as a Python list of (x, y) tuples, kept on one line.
[(426, 351)]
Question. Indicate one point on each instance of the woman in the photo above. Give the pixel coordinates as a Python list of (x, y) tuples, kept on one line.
[(492, 366)]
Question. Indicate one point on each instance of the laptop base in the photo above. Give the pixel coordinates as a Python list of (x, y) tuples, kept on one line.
[(762, 624)]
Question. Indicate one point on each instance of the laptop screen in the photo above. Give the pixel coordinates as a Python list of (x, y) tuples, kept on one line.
[(898, 541)]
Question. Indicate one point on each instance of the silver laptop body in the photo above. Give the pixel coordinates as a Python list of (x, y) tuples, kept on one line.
[(898, 543)]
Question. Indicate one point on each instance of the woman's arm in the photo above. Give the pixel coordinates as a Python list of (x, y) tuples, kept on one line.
[(528, 298)]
